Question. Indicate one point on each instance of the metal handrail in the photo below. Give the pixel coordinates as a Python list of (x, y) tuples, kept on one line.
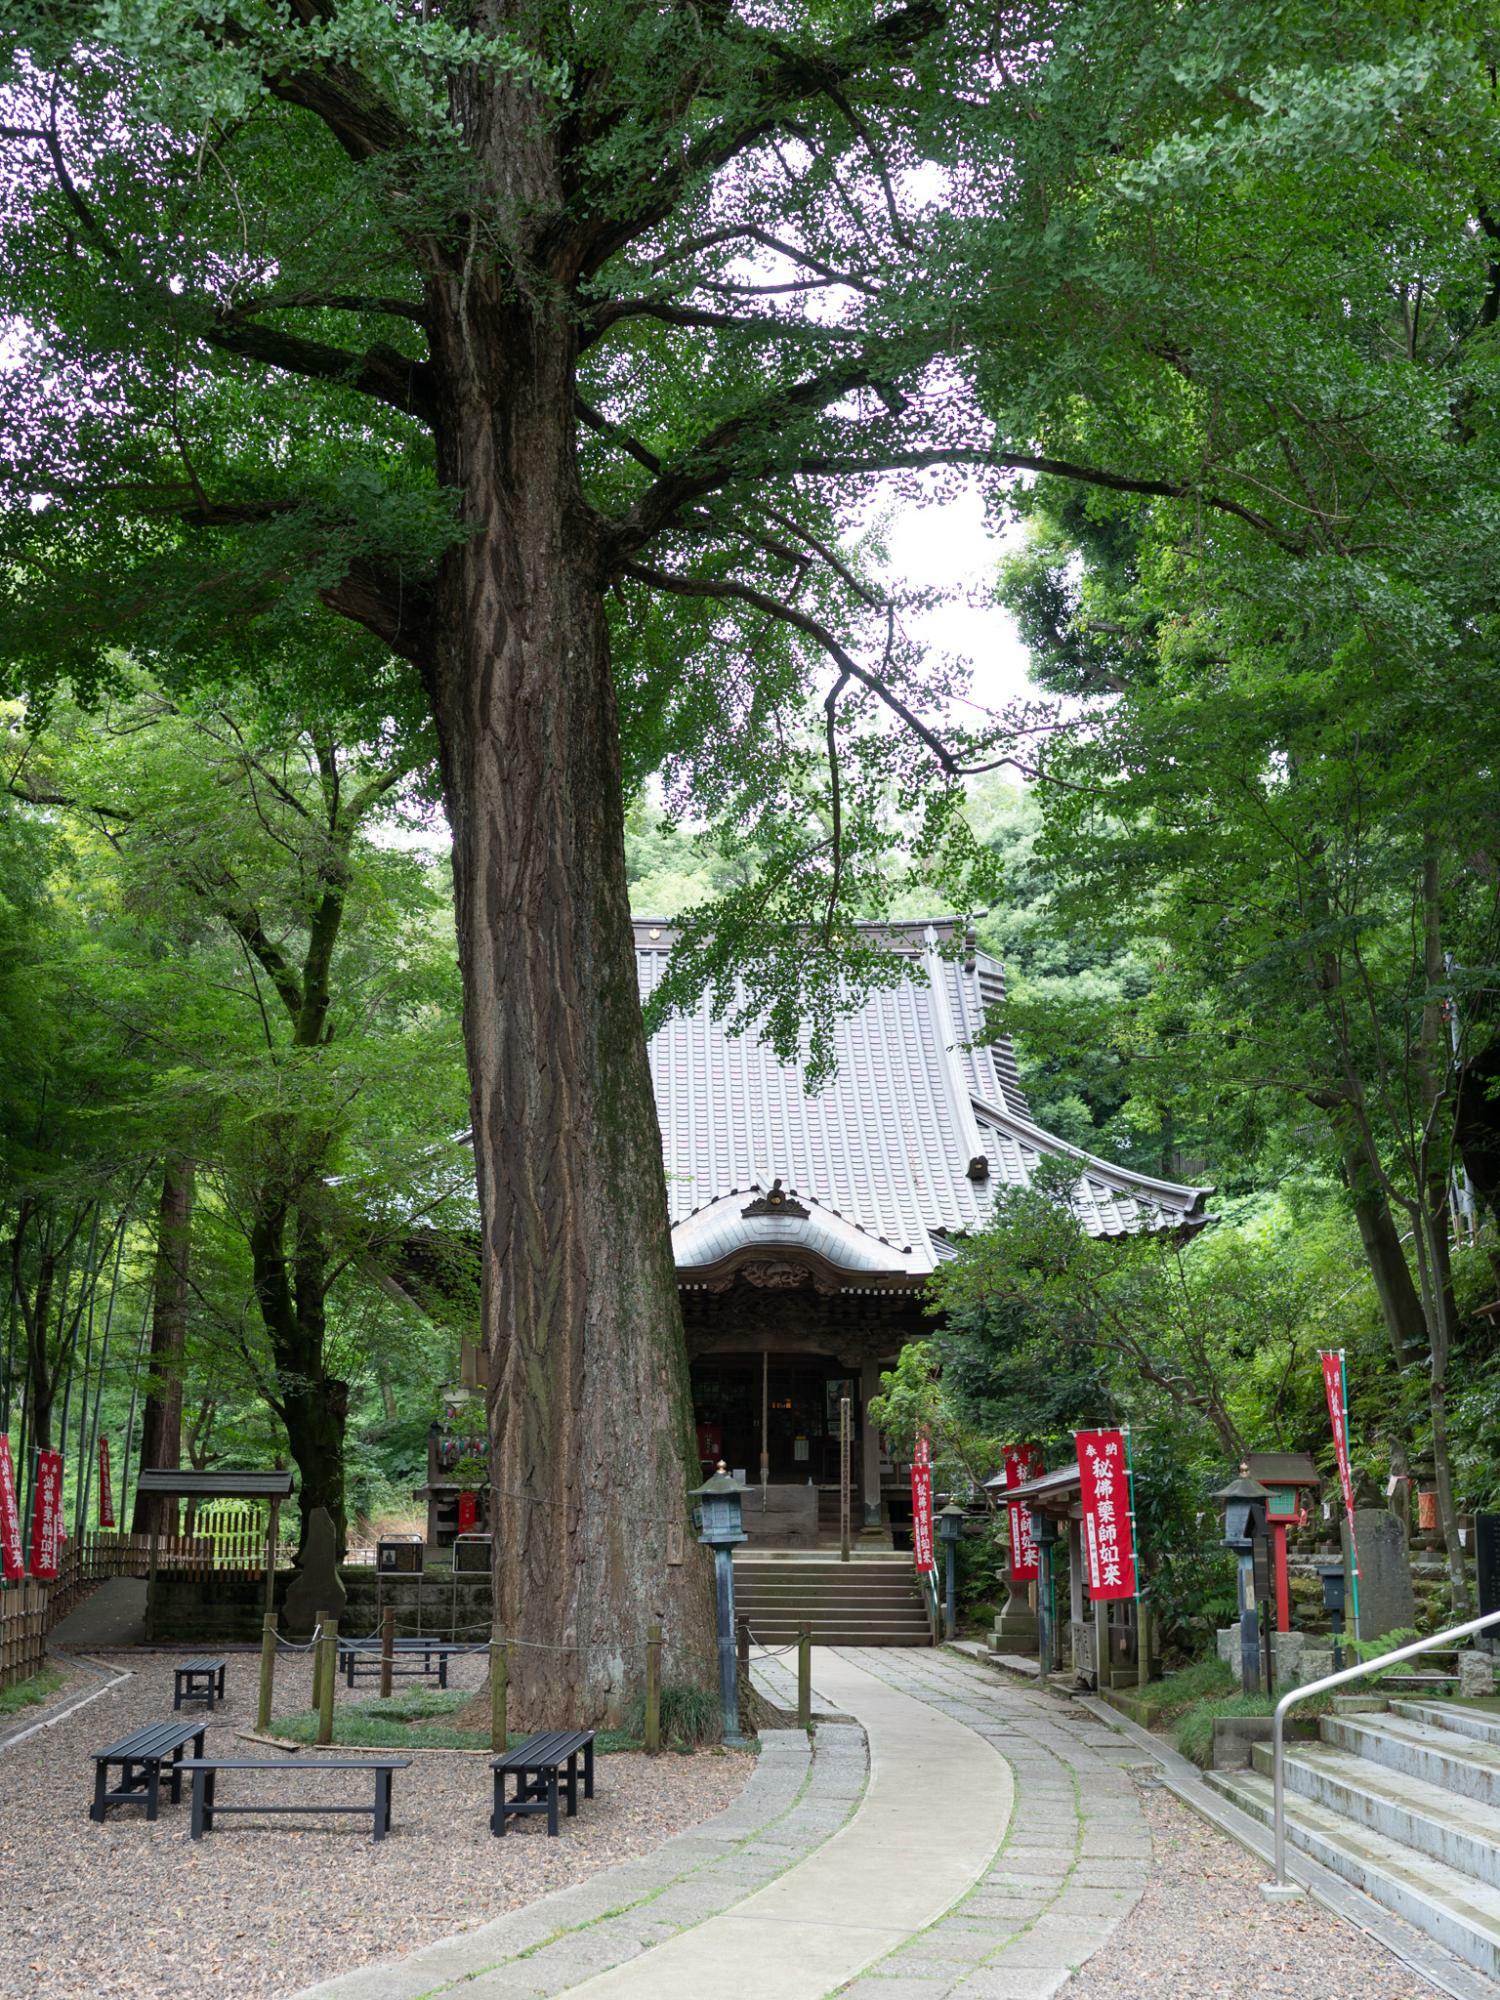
[(1345, 1674)]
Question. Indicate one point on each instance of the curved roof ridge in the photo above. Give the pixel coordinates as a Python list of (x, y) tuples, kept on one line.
[(1125, 1180), (764, 1186)]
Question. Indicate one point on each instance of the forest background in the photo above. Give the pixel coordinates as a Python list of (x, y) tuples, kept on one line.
[(1206, 300)]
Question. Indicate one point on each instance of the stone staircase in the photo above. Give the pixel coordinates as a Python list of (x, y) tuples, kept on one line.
[(871, 1600), (1403, 1802)]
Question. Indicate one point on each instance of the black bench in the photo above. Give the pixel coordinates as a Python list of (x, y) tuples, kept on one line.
[(197, 1680), (206, 1807), (537, 1764), (140, 1757), (361, 1658)]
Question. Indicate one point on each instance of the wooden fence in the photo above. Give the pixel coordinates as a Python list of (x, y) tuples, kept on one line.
[(29, 1610), (23, 1631)]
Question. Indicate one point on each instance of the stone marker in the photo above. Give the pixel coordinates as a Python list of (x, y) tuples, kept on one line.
[(1476, 1675), (315, 1584), (1386, 1603)]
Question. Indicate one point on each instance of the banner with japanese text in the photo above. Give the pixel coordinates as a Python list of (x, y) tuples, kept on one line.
[(12, 1568), (1108, 1543), (1335, 1390), (106, 1493), (46, 1518), (1022, 1462), (921, 1504)]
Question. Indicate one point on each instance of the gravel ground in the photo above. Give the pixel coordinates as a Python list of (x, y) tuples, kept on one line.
[(1203, 1929), (263, 1907)]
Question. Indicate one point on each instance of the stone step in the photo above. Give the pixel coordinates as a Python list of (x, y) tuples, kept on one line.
[(759, 1616), (1463, 1835), (1455, 1763), (1483, 1725), (844, 1635), (799, 1593), (822, 1559), (1459, 1913)]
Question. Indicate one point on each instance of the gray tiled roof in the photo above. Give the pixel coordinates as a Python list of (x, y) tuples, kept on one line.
[(171, 1481), (881, 1156)]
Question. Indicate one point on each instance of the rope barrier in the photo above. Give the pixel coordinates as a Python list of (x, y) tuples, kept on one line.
[(296, 1646)]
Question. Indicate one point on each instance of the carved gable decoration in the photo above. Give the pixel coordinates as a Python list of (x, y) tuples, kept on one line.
[(778, 1203), (774, 1274)]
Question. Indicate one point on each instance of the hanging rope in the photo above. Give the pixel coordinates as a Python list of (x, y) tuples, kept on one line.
[(301, 1646)]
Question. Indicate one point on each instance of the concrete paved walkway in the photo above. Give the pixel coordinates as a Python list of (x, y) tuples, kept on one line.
[(992, 1846), (935, 1809), (109, 1618)]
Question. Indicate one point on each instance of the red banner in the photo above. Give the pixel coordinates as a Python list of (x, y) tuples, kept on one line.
[(1022, 1462), (106, 1493), (11, 1565), (921, 1504), (1338, 1415), (1108, 1543), (46, 1519), (468, 1513)]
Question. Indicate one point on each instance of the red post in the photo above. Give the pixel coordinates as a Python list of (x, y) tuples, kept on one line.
[(1283, 1596)]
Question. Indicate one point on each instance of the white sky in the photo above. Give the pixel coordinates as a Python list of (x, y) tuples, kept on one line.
[(950, 544)]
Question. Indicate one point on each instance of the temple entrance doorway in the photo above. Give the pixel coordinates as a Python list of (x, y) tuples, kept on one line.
[(775, 1416)]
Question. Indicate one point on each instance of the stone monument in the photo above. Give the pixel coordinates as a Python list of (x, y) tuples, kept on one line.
[(315, 1587), (1015, 1628), (1386, 1603)]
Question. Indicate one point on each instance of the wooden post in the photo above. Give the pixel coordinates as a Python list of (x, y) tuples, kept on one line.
[(1142, 1642), (804, 1677), (499, 1692), (267, 1671), (653, 1689), (387, 1650), (317, 1660), (844, 1442), (1103, 1677), (328, 1646), (151, 1576), (273, 1536)]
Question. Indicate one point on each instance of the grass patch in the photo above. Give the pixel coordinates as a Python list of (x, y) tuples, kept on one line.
[(30, 1693), (1194, 1734), (415, 1721), (690, 1716), (1164, 1700)]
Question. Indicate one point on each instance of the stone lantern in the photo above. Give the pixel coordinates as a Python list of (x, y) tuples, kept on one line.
[(1244, 1501), (1335, 1586), (719, 1528)]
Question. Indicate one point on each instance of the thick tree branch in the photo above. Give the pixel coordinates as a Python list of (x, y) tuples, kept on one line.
[(382, 372), (394, 609), (841, 465), (328, 302), (670, 313)]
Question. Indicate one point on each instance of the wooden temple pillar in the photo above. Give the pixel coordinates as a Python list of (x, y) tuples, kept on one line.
[(869, 1388)]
